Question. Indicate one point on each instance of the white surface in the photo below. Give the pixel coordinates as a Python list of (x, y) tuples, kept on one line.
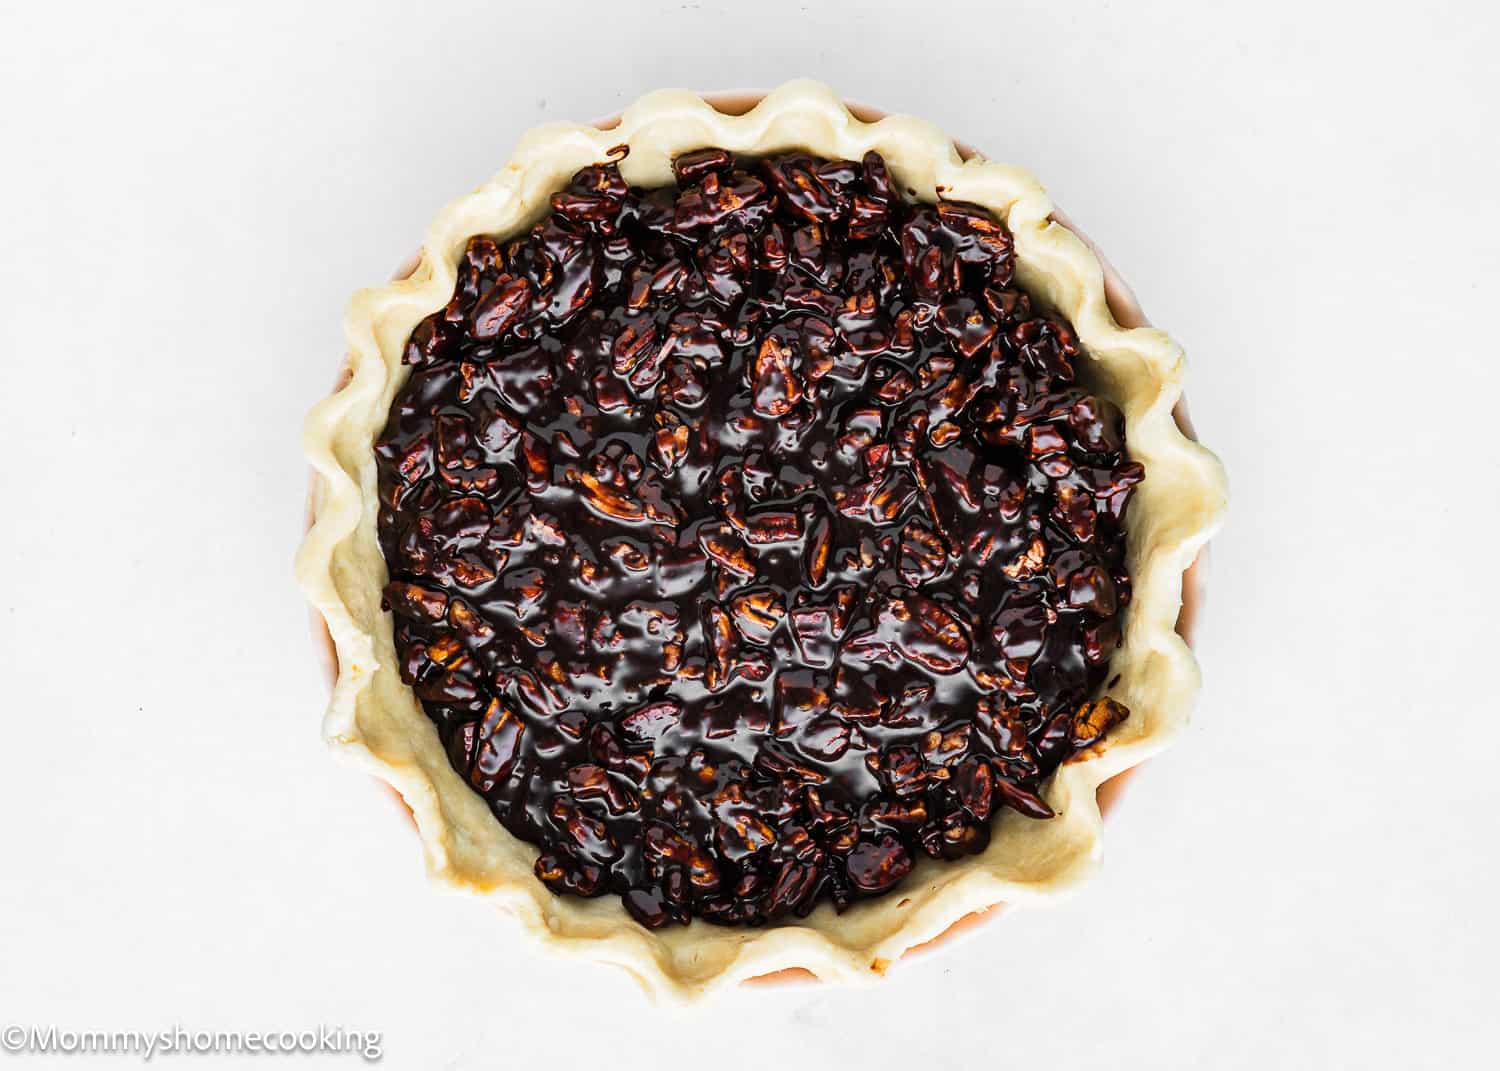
[(1306, 202)]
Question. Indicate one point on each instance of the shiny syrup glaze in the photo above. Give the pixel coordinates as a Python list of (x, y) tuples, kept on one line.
[(751, 538)]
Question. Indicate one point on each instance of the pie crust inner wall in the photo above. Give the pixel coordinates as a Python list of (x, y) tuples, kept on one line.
[(376, 720)]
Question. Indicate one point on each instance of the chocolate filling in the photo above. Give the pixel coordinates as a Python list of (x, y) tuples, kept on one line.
[(751, 538)]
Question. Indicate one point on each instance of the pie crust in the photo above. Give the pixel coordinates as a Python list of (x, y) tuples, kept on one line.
[(375, 720)]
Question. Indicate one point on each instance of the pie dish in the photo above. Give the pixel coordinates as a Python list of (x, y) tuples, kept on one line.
[(871, 894)]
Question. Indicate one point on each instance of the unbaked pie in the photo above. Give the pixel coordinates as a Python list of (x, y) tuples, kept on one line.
[(749, 541)]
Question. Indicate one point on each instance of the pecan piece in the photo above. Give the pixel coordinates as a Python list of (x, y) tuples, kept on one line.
[(773, 382), (874, 866), (756, 615), (1093, 720), (925, 633), (727, 551), (405, 599), (500, 307)]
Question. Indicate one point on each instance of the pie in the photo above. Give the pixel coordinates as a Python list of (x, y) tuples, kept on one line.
[(749, 541)]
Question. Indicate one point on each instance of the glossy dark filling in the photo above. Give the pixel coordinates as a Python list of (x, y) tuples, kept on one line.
[(751, 538)]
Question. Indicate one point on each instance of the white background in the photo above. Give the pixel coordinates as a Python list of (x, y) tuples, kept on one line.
[(1305, 197)]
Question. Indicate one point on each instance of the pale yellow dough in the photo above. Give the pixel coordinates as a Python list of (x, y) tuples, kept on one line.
[(375, 719)]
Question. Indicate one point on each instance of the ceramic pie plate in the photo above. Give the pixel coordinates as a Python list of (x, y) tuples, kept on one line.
[(374, 719)]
